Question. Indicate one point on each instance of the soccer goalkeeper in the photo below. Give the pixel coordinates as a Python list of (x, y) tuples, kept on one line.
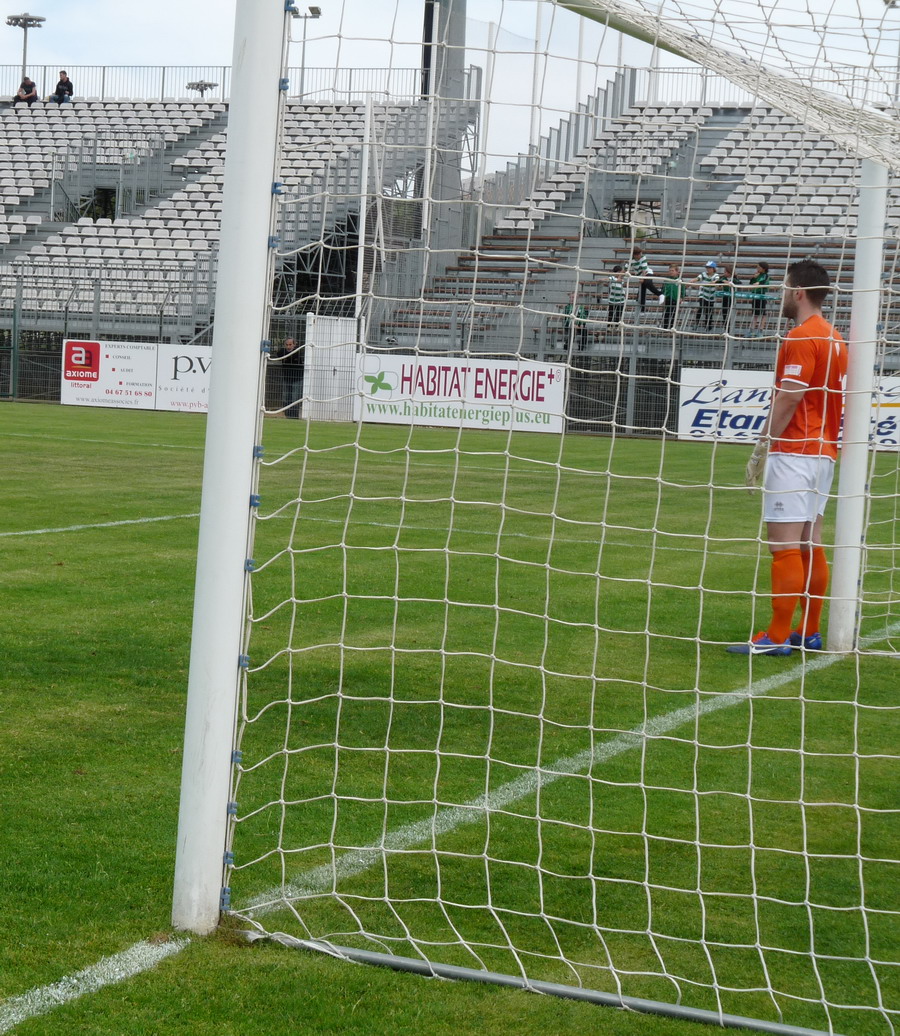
[(796, 453)]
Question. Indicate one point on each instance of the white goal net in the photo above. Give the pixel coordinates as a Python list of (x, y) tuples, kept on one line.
[(526, 304)]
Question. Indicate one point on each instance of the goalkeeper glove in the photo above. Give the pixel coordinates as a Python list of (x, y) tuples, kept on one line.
[(757, 463)]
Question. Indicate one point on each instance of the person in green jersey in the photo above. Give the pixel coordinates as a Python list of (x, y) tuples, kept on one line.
[(673, 289), (759, 286), (615, 296)]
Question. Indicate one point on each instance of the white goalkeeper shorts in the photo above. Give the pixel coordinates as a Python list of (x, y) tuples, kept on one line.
[(796, 487)]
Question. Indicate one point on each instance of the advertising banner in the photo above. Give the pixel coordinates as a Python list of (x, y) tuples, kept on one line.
[(113, 374), (727, 405), (732, 406), (135, 375), (182, 377), (461, 393)]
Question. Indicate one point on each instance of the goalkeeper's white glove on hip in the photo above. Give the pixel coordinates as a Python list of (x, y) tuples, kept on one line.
[(757, 463)]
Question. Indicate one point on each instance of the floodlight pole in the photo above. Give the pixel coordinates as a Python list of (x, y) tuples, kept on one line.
[(534, 130), (313, 12), (243, 290), (25, 22)]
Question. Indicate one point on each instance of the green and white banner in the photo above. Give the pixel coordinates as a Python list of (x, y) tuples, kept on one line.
[(524, 395)]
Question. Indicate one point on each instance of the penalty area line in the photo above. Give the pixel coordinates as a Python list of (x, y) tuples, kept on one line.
[(106, 972), (325, 879), (100, 525)]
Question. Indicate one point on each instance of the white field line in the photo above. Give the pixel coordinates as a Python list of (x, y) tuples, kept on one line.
[(100, 525), (326, 878), (106, 972)]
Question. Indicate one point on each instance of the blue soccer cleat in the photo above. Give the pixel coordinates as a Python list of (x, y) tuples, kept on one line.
[(760, 645), (812, 643)]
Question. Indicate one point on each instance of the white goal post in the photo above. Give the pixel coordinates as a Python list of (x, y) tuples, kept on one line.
[(474, 529), (229, 471)]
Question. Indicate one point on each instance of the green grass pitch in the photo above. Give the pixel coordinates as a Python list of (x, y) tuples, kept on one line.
[(455, 613)]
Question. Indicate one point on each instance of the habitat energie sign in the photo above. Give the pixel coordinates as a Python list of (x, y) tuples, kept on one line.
[(461, 393), (135, 375), (732, 406)]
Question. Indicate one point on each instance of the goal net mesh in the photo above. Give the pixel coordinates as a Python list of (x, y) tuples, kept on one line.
[(502, 539)]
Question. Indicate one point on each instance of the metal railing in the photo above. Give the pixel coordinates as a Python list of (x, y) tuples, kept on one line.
[(134, 167), (169, 302), (698, 86), (689, 86), (169, 82)]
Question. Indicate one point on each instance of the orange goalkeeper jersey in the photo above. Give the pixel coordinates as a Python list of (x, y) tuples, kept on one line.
[(815, 355)]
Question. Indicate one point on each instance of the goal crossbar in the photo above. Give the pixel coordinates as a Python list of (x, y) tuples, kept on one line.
[(862, 131)]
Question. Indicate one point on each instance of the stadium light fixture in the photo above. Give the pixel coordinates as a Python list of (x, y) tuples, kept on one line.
[(312, 12), (25, 22), (201, 86)]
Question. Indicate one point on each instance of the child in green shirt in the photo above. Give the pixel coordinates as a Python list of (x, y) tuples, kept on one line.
[(673, 289)]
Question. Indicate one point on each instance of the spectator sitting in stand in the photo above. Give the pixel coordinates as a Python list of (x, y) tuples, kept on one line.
[(27, 92), (64, 89)]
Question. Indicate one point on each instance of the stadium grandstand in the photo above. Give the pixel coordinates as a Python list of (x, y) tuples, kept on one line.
[(110, 209)]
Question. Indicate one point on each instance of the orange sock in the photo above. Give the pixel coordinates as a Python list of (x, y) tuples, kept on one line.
[(815, 583), (787, 588)]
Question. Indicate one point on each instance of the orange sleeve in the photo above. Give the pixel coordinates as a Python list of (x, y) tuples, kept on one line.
[(798, 360)]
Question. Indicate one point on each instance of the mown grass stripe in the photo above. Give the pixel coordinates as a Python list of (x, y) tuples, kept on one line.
[(326, 878), (354, 524)]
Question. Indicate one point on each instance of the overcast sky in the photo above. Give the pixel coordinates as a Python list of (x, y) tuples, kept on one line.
[(197, 32)]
